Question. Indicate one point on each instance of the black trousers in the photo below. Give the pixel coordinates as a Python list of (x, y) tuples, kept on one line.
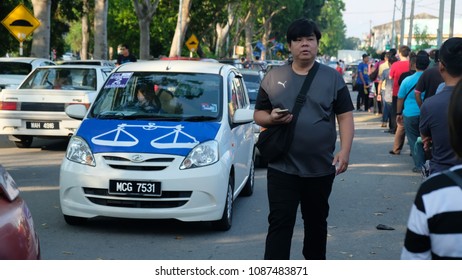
[(285, 193), (394, 107)]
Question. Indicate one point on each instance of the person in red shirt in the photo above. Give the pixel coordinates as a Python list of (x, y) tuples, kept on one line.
[(396, 70), (339, 68)]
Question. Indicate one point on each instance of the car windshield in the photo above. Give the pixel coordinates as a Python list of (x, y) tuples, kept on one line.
[(164, 96), (62, 78), (15, 68)]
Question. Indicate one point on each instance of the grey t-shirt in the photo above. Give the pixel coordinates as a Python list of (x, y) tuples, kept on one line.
[(312, 149)]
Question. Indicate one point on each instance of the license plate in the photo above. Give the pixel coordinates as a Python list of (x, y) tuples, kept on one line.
[(143, 188), (42, 125)]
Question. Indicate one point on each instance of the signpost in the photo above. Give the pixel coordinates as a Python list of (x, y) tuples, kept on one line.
[(192, 43), (21, 23)]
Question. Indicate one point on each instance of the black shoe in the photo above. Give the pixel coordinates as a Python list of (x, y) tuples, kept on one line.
[(393, 153)]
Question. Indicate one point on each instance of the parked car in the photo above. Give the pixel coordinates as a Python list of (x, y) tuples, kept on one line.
[(232, 61), (69, 56), (36, 108), (13, 70), (18, 238), (100, 62), (252, 79), (349, 75), (189, 159)]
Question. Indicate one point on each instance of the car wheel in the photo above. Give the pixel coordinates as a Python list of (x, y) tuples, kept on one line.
[(249, 185), (227, 218), (74, 221), (24, 141)]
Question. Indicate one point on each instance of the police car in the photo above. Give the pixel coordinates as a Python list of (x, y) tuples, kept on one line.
[(189, 159)]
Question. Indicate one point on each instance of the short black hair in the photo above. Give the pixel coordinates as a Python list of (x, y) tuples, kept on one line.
[(302, 27), (450, 56), (422, 60)]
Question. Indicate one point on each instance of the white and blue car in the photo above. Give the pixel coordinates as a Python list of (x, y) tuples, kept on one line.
[(188, 159)]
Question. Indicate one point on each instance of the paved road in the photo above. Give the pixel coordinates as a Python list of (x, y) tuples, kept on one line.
[(378, 188)]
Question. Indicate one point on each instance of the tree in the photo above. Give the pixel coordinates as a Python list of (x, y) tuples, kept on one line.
[(421, 38), (145, 10), (85, 30), (41, 41), (222, 30), (270, 10), (181, 28), (100, 30), (332, 27)]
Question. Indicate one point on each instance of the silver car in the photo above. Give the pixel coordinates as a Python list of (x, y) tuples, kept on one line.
[(13, 70)]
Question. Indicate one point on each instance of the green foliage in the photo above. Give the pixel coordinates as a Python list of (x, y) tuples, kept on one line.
[(123, 27), (422, 38), (351, 43), (332, 27)]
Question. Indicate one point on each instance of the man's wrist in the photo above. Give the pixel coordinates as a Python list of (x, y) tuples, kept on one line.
[(399, 114)]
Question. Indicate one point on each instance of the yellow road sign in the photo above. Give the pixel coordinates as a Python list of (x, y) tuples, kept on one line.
[(20, 22), (192, 43)]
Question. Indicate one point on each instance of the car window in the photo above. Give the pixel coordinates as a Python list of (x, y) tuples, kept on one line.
[(62, 78), (172, 95), (15, 68)]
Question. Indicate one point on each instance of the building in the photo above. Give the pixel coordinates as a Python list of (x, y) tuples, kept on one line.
[(423, 24)]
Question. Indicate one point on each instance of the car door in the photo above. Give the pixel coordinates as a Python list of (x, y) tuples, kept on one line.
[(242, 134)]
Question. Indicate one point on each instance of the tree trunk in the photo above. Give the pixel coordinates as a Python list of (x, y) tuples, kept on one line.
[(182, 24), (223, 31), (101, 47), (267, 29), (41, 36), (248, 38), (85, 32), (145, 10)]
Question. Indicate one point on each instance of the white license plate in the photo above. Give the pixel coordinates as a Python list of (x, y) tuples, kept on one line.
[(142, 188)]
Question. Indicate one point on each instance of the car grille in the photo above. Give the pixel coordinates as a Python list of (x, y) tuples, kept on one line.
[(168, 199), (124, 163), (42, 107)]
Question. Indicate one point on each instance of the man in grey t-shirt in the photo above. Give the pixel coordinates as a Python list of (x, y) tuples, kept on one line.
[(306, 173)]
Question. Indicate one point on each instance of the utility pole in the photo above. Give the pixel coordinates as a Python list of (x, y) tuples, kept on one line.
[(439, 38), (451, 22), (392, 43), (411, 22), (403, 21)]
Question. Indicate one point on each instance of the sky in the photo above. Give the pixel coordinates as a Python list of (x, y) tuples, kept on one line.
[(360, 15)]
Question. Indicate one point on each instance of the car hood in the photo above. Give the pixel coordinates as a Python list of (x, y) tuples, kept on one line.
[(160, 137)]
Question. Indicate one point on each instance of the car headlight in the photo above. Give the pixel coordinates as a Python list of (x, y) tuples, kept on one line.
[(202, 155), (79, 151)]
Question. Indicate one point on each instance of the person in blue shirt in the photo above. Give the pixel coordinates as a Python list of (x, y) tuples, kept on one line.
[(362, 82), (410, 115)]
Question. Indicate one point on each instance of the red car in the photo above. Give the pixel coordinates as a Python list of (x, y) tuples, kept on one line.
[(18, 239)]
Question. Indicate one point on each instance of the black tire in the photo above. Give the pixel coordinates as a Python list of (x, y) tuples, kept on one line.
[(25, 141), (249, 185), (75, 221), (226, 220)]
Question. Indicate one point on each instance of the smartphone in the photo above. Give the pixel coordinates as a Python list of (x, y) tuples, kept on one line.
[(282, 111)]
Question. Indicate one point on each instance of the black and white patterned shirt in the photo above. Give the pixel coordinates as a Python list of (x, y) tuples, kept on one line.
[(434, 228)]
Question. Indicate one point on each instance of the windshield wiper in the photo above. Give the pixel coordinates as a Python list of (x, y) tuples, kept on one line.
[(199, 118), (110, 115)]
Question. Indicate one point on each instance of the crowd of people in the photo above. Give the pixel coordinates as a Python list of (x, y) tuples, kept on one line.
[(420, 94)]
